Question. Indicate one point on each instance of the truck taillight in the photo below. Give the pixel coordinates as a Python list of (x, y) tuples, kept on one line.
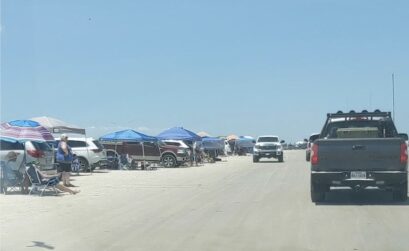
[(403, 153), (314, 154), (35, 153)]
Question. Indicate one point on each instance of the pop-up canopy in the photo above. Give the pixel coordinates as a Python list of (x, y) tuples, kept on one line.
[(57, 126), (128, 135), (179, 133)]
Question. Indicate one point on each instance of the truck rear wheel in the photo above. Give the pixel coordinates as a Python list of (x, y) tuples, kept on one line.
[(401, 192), (317, 192)]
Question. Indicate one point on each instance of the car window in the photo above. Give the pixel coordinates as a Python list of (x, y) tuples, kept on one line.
[(172, 143), (99, 145), (43, 146), (76, 143), (6, 145), (268, 139)]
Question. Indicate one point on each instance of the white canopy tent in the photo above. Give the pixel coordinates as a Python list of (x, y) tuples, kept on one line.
[(58, 127)]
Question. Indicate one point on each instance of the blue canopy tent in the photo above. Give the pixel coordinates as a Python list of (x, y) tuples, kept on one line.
[(212, 143), (179, 133), (245, 143), (129, 136)]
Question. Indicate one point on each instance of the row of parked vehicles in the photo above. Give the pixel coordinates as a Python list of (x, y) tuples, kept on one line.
[(93, 153)]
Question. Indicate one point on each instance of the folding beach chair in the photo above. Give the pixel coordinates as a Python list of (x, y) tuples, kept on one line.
[(36, 183), (10, 180)]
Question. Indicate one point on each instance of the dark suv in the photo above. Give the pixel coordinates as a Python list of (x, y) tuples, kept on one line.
[(167, 155)]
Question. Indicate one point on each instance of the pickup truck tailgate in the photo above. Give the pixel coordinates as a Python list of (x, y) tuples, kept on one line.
[(359, 154)]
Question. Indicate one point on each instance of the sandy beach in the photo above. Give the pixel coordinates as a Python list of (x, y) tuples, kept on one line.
[(232, 205)]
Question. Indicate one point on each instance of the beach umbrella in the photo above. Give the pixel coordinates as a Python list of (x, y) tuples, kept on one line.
[(24, 130), (232, 137)]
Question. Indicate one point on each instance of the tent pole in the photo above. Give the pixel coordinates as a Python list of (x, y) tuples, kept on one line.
[(143, 153)]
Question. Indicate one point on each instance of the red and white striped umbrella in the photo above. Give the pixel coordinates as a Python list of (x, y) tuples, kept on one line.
[(24, 130)]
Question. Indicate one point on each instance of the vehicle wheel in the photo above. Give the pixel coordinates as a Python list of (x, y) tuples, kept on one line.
[(169, 160), (308, 157), (401, 192), (317, 192), (84, 166), (255, 159), (281, 158)]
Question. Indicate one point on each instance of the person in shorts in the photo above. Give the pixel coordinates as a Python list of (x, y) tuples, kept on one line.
[(64, 160)]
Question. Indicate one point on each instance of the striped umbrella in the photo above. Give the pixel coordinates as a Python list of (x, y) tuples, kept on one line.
[(24, 130)]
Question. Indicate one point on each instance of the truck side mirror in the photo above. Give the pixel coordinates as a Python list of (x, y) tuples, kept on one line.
[(404, 136), (282, 141)]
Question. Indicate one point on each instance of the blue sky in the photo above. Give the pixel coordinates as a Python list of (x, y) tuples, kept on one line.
[(243, 67)]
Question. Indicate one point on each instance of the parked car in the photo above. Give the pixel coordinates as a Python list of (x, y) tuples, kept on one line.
[(39, 152), (359, 150), (268, 146), (90, 152), (311, 140), (168, 155)]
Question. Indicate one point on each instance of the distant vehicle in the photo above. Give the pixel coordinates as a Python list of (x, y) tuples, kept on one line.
[(268, 147), (359, 150), (39, 152), (90, 152), (310, 142), (169, 155)]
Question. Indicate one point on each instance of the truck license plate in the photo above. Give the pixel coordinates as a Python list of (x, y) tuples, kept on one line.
[(358, 175)]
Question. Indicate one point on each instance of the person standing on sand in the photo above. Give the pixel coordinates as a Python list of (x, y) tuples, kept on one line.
[(64, 159)]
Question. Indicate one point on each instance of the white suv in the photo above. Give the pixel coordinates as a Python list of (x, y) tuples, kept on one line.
[(90, 152)]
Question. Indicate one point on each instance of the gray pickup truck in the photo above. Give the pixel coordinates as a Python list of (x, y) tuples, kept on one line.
[(359, 150)]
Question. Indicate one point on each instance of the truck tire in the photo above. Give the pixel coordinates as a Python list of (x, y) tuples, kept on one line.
[(317, 192), (168, 160), (281, 158), (255, 159), (401, 192), (308, 157)]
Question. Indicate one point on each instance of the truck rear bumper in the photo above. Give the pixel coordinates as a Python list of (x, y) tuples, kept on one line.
[(373, 178)]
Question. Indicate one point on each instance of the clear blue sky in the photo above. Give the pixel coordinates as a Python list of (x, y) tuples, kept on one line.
[(243, 67)]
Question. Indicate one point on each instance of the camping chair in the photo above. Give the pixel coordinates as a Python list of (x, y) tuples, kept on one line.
[(36, 183), (10, 179)]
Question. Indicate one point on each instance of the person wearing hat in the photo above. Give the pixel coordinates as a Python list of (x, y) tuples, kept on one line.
[(64, 159), (11, 162)]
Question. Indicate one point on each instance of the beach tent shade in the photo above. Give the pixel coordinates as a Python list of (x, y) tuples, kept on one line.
[(212, 143), (203, 134), (179, 133), (245, 142), (24, 130), (128, 135), (58, 126)]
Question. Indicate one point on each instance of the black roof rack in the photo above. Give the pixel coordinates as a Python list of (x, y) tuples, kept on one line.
[(360, 114)]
